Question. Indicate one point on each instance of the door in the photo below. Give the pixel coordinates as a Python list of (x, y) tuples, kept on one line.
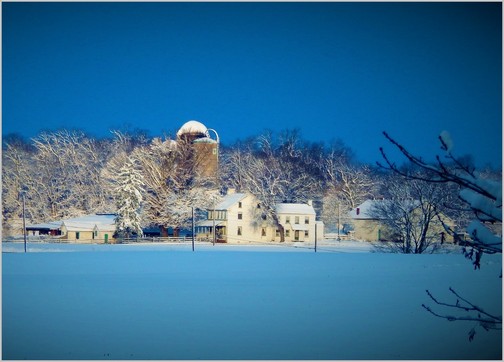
[(296, 235)]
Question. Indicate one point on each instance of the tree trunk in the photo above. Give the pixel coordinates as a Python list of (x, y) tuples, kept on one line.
[(282, 232), (281, 228), (163, 231)]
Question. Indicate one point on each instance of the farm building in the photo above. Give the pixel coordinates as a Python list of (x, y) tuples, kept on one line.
[(235, 220), (89, 228), (369, 226), (206, 148)]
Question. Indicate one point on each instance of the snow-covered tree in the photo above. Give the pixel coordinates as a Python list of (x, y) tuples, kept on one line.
[(172, 184), (483, 196), (346, 186), (412, 210), (273, 172), (17, 176), (68, 165), (128, 195)]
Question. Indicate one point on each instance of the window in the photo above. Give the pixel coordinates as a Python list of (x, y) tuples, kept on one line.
[(214, 151), (306, 233), (219, 215), (307, 220), (263, 232), (287, 219), (239, 232), (240, 216), (77, 235), (239, 204), (287, 233), (296, 220), (277, 233)]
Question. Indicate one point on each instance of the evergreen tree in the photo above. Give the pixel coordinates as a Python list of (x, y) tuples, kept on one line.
[(128, 196)]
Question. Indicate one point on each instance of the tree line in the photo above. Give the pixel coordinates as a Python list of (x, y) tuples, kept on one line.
[(68, 173)]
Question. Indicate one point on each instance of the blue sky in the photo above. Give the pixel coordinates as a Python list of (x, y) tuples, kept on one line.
[(334, 70)]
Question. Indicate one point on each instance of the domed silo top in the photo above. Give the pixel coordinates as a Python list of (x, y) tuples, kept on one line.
[(193, 128)]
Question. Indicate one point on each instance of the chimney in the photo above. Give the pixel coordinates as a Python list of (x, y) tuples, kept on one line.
[(310, 202), (231, 191), (357, 211)]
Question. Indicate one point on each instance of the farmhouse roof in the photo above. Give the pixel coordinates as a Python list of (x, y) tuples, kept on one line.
[(364, 210), (89, 222), (54, 225), (209, 222), (230, 200), (304, 209)]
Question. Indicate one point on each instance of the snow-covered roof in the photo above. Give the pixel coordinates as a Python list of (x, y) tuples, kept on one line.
[(208, 223), (230, 200), (205, 140), (303, 209), (363, 211), (193, 127), (88, 222), (54, 225)]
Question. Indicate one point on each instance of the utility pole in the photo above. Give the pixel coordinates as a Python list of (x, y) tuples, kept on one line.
[(213, 227), (339, 225), (192, 228), (24, 219)]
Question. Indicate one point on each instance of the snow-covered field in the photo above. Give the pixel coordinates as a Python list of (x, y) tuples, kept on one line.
[(153, 301)]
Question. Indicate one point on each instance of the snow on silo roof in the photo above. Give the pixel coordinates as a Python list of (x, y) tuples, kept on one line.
[(193, 127)]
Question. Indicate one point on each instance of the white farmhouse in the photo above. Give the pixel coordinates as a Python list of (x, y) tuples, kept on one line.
[(236, 221)]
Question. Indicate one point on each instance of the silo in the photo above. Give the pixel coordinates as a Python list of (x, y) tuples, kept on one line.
[(206, 149)]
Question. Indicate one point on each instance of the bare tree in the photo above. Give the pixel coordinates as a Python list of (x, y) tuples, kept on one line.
[(346, 186), (481, 195), (68, 168), (411, 212), (476, 314), (273, 172), (17, 166)]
